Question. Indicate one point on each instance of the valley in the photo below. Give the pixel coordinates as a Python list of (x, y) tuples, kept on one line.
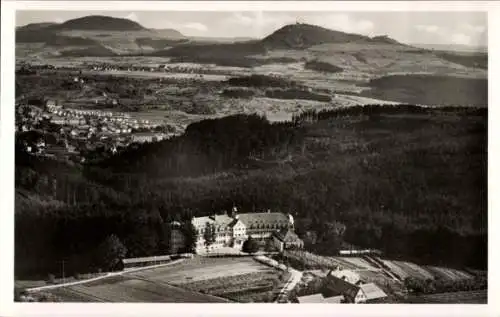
[(129, 132)]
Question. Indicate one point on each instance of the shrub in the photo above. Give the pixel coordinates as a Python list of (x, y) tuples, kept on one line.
[(250, 246)]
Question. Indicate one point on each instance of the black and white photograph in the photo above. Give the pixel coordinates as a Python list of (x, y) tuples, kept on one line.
[(238, 156)]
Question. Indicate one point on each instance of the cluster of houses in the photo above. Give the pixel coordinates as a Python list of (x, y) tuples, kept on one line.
[(84, 130), (168, 68), (104, 123), (123, 123)]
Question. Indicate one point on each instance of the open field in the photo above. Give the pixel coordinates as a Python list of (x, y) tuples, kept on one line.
[(407, 269), (414, 270), (126, 289), (201, 268), (448, 274)]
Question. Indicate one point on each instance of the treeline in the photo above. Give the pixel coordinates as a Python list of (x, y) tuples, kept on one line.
[(296, 94), (376, 109), (238, 92), (261, 81), (436, 286), (322, 67)]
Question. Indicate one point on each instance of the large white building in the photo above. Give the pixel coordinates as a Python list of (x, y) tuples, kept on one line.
[(233, 229)]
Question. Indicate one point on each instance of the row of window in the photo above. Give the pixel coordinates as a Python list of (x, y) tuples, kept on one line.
[(251, 227)]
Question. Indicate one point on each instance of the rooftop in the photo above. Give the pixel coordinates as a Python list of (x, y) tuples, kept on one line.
[(348, 275), (286, 235), (264, 217), (246, 218), (315, 298), (319, 298), (372, 291), (338, 286), (147, 259)]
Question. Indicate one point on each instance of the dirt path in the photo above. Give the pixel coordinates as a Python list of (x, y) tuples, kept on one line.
[(294, 279), (34, 289)]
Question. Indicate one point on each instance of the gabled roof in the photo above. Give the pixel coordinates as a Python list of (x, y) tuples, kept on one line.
[(220, 222), (247, 219), (315, 298), (334, 299), (372, 291), (262, 217), (319, 298), (337, 286), (346, 275), (234, 222), (286, 235)]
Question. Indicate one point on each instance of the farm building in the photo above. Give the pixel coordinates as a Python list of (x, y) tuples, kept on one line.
[(320, 299), (353, 293), (232, 229), (372, 292), (360, 252), (287, 239), (145, 261), (310, 299)]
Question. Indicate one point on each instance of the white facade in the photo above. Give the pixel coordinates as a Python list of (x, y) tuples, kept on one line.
[(232, 231)]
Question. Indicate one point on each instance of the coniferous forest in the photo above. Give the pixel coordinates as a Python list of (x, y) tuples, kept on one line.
[(407, 180)]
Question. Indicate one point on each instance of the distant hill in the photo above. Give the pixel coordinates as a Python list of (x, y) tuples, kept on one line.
[(224, 54), (300, 36), (97, 35), (99, 22), (293, 37)]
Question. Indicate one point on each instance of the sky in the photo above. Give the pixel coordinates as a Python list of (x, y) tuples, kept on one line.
[(462, 28)]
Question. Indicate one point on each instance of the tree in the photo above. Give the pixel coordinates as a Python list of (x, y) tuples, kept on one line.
[(270, 246), (209, 235), (191, 235), (110, 252), (250, 246)]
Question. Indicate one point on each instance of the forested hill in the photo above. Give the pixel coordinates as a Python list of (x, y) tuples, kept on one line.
[(210, 146), (408, 180)]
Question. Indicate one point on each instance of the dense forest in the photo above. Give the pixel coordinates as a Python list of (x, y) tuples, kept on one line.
[(410, 181), (430, 90)]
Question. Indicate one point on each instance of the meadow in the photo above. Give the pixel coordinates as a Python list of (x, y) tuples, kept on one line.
[(121, 289)]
